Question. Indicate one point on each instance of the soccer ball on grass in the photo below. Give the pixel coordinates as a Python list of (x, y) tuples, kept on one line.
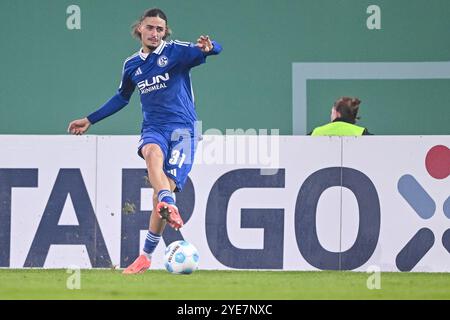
[(181, 257)]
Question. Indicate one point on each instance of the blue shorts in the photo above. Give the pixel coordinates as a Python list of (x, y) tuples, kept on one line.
[(178, 146)]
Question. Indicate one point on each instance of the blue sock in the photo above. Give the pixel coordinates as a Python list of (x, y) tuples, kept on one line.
[(166, 196), (151, 241)]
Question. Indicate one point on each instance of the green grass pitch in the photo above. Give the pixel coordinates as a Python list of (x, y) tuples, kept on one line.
[(220, 285)]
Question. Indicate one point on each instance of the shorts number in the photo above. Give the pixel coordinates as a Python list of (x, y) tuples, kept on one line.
[(177, 157)]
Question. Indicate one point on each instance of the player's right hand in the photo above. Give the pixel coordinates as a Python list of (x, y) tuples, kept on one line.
[(78, 127)]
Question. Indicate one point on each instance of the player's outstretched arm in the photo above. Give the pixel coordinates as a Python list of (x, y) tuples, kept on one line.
[(79, 126)]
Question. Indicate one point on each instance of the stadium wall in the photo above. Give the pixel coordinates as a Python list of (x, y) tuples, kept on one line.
[(251, 202), (63, 59)]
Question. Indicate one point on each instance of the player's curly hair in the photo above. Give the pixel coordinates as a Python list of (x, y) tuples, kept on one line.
[(348, 108), (154, 12)]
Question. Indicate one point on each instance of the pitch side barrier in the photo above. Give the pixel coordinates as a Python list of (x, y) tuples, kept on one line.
[(251, 202)]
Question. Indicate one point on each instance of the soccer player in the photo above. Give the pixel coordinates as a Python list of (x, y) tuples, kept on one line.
[(161, 71)]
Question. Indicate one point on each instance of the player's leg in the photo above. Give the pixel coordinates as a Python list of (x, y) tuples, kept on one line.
[(168, 154), (159, 216), (162, 201), (168, 164), (163, 186)]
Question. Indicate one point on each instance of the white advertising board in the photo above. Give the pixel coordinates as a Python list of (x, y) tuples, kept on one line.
[(251, 202)]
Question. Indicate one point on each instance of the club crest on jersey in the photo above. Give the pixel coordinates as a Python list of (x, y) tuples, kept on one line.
[(163, 61)]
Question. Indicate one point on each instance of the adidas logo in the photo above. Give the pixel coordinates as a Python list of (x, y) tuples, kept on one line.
[(173, 172), (138, 72)]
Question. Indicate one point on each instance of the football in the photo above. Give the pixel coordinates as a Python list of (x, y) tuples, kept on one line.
[(181, 257)]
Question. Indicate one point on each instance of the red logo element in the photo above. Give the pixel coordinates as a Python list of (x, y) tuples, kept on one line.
[(437, 162)]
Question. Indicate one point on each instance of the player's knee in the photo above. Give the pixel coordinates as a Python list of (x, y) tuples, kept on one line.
[(152, 151)]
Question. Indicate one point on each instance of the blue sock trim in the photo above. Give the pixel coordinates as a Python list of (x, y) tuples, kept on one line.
[(151, 241), (166, 196)]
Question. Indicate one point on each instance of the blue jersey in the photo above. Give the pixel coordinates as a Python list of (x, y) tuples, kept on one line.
[(164, 83)]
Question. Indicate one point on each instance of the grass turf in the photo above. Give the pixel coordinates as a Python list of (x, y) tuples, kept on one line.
[(220, 285)]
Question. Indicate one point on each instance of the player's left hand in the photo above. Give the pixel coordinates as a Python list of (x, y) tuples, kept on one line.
[(204, 43)]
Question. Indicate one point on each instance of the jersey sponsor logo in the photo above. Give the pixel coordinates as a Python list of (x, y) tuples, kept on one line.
[(163, 61), (155, 83)]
